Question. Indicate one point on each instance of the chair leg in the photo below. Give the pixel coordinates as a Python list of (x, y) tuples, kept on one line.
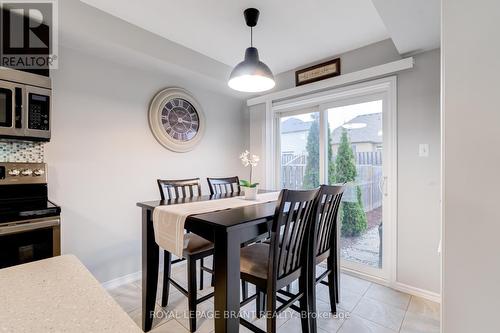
[(192, 294), (335, 258), (244, 289), (311, 297), (271, 326), (305, 306), (332, 286), (336, 277), (167, 259), (260, 303), (201, 274), (212, 282)]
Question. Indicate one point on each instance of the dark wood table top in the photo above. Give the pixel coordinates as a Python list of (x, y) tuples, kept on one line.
[(227, 218)]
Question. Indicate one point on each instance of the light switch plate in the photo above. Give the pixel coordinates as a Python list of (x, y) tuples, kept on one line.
[(423, 150)]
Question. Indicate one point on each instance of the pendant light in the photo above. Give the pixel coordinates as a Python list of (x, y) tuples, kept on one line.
[(251, 75)]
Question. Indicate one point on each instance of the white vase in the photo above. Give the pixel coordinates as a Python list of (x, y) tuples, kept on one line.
[(250, 193)]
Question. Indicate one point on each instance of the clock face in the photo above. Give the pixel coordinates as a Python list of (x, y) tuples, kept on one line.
[(180, 119), (176, 119)]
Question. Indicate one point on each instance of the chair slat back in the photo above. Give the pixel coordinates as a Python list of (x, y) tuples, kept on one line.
[(327, 208), (171, 189), (227, 185), (289, 233)]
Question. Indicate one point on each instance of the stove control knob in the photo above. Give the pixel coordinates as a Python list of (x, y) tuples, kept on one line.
[(14, 172), (38, 172), (27, 172)]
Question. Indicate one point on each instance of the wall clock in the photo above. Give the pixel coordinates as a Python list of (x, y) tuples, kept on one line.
[(176, 119)]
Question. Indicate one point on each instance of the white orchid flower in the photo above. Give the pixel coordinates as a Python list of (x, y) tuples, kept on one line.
[(249, 160), (244, 155)]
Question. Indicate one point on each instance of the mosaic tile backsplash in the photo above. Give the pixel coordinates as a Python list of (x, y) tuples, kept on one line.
[(21, 151)]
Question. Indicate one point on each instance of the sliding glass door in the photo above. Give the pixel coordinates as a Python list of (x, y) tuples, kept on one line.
[(348, 141), (356, 158)]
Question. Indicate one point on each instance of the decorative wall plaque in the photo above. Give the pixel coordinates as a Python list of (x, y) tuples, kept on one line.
[(318, 72)]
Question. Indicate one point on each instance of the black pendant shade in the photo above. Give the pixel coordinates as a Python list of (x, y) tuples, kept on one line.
[(251, 75)]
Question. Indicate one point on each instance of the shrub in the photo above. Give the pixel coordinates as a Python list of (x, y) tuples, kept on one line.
[(352, 216)]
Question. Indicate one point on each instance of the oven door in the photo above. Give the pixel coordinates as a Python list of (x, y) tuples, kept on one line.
[(29, 240), (11, 104), (37, 113)]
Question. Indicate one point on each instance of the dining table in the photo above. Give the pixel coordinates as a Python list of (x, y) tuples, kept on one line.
[(227, 229)]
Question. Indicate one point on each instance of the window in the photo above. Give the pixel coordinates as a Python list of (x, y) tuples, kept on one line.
[(299, 147)]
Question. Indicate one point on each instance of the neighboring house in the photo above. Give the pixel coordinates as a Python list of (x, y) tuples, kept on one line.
[(366, 138), (294, 136)]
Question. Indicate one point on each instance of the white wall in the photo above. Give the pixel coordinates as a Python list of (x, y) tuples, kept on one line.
[(419, 210), (257, 143), (103, 158), (419, 178), (471, 123)]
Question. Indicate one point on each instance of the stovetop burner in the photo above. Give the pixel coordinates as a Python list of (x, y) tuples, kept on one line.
[(28, 212)]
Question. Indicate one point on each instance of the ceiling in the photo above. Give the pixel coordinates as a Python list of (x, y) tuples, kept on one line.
[(414, 26), (290, 33)]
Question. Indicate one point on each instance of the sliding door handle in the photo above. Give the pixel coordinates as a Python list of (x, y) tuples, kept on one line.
[(382, 186)]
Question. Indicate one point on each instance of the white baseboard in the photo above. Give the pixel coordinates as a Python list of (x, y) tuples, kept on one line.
[(132, 277), (119, 281)]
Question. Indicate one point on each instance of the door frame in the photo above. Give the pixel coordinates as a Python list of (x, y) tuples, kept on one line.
[(385, 89)]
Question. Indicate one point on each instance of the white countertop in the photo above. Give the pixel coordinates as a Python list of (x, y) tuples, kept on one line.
[(57, 295)]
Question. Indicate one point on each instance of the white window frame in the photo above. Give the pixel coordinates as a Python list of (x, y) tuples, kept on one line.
[(384, 88)]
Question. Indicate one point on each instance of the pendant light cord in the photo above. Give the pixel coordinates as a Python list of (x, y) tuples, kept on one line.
[(251, 36)]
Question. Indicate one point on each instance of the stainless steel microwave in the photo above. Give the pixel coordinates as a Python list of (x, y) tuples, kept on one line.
[(25, 105)]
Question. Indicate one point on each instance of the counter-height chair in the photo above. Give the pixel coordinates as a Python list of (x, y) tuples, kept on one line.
[(197, 248), (228, 185), (273, 266), (325, 231)]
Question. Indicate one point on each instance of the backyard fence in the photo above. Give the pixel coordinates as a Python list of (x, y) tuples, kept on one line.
[(369, 180), (369, 177), (293, 168), (369, 157)]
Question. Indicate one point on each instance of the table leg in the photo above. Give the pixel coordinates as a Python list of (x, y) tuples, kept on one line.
[(227, 281), (150, 263)]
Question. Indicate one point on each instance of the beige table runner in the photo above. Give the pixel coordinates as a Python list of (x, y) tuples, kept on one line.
[(169, 221)]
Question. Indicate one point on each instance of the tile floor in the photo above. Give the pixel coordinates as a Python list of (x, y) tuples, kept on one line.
[(364, 308)]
